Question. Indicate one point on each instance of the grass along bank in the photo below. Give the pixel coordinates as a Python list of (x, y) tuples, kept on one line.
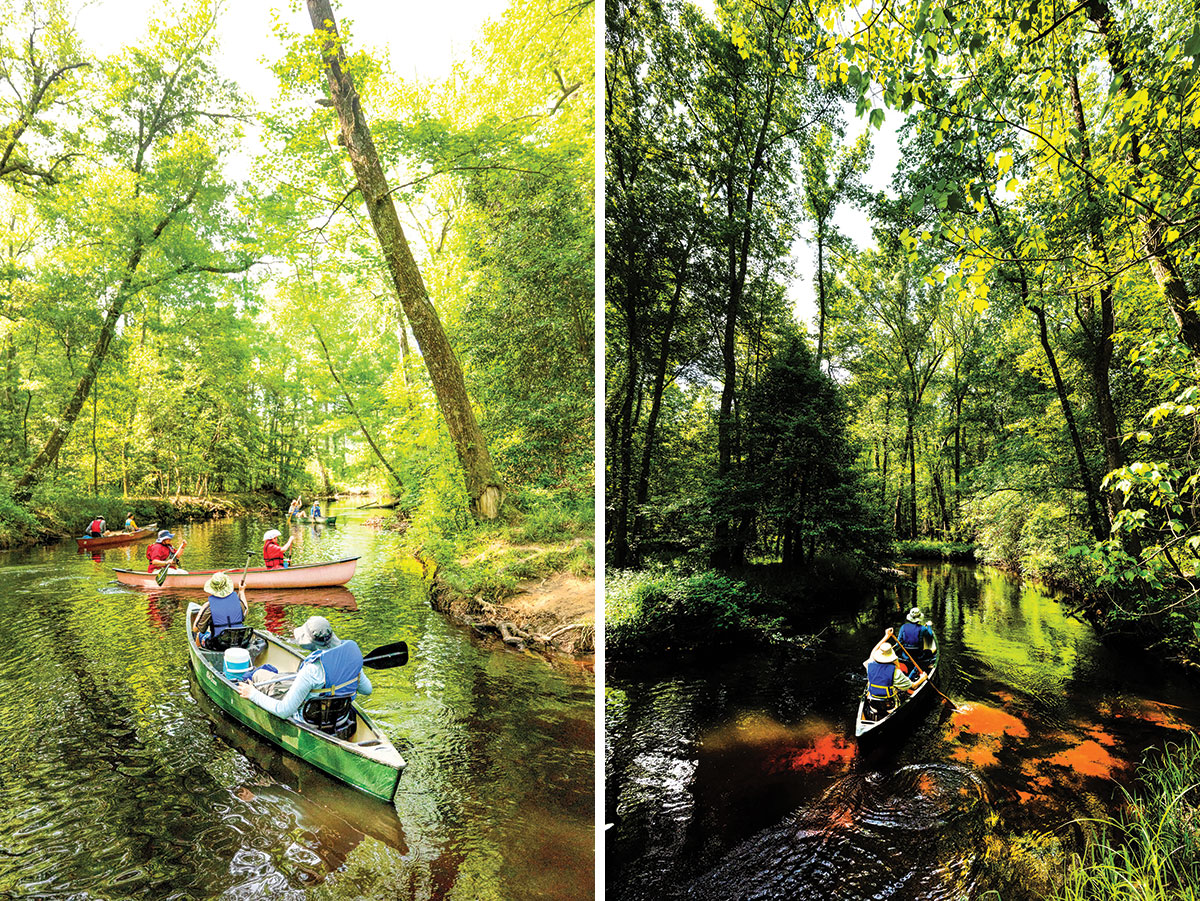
[(1152, 850), (527, 578)]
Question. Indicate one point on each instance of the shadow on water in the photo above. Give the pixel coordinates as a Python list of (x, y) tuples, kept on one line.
[(742, 779), (120, 781)]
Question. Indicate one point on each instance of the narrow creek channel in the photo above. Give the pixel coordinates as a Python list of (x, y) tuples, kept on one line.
[(121, 780), (739, 777)]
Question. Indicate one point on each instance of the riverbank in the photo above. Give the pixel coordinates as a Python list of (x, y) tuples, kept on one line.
[(50, 518), (527, 580)]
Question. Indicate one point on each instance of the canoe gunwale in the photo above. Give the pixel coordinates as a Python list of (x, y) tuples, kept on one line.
[(367, 752), (284, 578), (875, 727)]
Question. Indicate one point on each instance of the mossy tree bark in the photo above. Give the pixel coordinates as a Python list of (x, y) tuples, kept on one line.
[(483, 482)]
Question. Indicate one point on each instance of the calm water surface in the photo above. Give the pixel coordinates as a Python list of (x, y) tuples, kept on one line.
[(740, 777), (119, 779)]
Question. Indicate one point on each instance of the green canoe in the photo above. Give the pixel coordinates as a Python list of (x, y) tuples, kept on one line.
[(368, 761)]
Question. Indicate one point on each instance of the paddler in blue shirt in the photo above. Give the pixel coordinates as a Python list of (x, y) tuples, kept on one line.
[(914, 636), (885, 680), (332, 674)]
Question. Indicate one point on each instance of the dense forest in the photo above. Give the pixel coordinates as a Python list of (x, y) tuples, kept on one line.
[(206, 292), (1010, 363)]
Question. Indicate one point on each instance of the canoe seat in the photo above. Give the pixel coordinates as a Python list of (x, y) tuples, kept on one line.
[(238, 637), (333, 716)]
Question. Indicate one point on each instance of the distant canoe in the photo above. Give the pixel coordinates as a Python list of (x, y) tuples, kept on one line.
[(305, 575), (116, 538), (326, 520), (367, 761)]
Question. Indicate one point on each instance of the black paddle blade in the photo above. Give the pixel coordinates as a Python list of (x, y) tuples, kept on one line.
[(387, 656)]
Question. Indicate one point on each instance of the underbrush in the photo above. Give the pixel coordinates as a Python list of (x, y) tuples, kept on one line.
[(931, 549), (540, 532), (1152, 851), (660, 611)]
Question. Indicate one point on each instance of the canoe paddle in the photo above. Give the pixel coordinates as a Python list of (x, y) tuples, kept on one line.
[(921, 671), (161, 576), (385, 657)]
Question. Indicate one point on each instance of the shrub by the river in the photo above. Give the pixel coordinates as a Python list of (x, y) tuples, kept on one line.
[(1152, 851), (662, 611), (929, 549)]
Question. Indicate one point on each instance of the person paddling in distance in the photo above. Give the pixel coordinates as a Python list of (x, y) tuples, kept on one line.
[(161, 552), (225, 609), (315, 512), (326, 683), (130, 524), (96, 528), (274, 553), (913, 639), (885, 680)]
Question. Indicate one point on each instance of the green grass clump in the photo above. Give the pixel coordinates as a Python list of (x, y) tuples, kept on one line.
[(1152, 851), (662, 611)]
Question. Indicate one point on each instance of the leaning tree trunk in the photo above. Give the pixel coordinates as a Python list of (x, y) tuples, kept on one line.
[(483, 482)]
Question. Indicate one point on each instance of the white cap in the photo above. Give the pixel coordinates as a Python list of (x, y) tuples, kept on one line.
[(270, 533)]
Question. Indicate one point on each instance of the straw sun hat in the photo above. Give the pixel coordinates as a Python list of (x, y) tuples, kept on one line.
[(914, 615), (884, 654), (219, 585)]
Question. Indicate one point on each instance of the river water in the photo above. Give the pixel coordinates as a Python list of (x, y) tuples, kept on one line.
[(739, 776), (119, 779)]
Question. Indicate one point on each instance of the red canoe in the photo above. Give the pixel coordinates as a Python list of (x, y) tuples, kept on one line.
[(117, 537), (303, 575)]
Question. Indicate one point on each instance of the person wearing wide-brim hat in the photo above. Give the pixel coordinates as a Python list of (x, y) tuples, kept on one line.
[(325, 685), (885, 679), (916, 639), (225, 609)]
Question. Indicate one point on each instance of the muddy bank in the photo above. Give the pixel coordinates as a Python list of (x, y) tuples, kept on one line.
[(556, 614)]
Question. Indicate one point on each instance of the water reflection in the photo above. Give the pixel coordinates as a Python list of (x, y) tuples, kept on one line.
[(121, 781), (742, 780)]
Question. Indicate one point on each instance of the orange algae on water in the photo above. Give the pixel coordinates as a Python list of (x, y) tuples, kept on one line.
[(981, 719), (979, 730), (825, 751), (1089, 758)]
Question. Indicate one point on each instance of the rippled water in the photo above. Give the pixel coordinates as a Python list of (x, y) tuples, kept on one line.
[(739, 777), (121, 780)]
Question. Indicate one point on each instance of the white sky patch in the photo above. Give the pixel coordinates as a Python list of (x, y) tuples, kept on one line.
[(850, 220), (419, 40)]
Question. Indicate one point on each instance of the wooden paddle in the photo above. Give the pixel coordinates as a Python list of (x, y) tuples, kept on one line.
[(244, 571), (892, 635), (385, 657), (161, 576)]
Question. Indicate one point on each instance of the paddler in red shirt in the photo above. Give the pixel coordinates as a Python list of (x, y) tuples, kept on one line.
[(273, 551), (160, 552)]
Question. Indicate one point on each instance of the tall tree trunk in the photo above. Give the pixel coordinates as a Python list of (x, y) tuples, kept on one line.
[(821, 290), (1099, 528), (912, 475), (1162, 262), (660, 381), (362, 426), (1100, 328), (738, 256), (483, 482), (95, 446)]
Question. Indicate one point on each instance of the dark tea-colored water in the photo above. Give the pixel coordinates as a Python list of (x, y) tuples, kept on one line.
[(739, 777), (119, 779)]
